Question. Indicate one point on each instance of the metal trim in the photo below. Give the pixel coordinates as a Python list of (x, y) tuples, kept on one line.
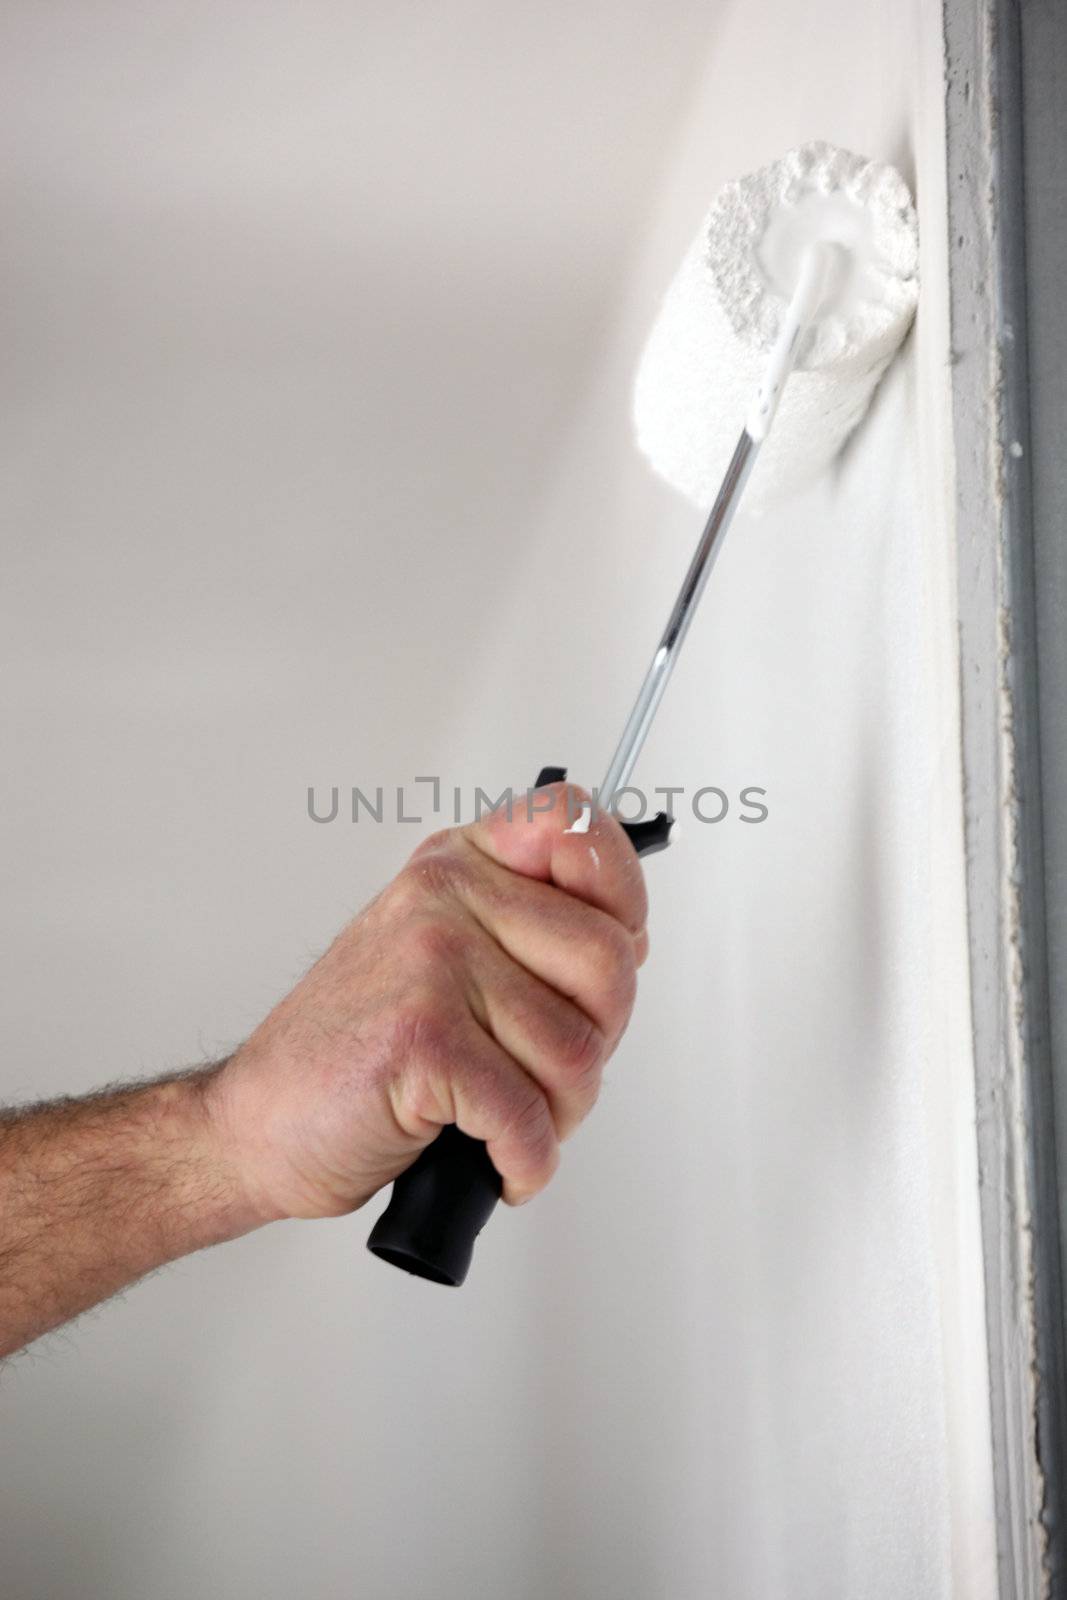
[(996, 56)]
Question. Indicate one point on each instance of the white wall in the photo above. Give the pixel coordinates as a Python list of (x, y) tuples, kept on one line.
[(318, 470)]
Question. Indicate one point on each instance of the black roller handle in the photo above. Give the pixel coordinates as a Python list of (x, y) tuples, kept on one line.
[(440, 1205)]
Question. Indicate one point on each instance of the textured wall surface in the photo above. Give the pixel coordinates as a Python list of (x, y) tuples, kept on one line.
[(317, 470)]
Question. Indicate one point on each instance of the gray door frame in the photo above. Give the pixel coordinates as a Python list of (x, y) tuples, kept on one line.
[(1006, 106)]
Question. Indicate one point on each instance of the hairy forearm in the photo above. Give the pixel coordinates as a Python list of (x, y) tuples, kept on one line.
[(485, 986), (96, 1192)]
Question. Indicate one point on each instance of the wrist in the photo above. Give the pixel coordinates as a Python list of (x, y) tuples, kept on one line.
[(198, 1176), (185, 1141), (233, 1141)]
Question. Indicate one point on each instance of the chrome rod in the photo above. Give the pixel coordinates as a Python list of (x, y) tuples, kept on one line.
[(658, 674)]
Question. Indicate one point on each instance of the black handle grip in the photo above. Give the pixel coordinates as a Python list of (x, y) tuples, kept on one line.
[(440, 1205)]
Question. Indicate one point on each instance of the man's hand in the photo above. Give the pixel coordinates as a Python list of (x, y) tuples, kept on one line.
[(486, 986)]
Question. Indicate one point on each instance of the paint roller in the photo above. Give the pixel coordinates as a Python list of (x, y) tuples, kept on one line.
[(786, 310)]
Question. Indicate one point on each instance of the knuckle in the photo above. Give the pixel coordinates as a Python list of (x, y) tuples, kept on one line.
[(435, 943), (432, 874), (529, 1145), (610, 951), (446, 873), (423, 1034), (432, 843), (529, 1121), (580, 1052), (615, 971), (416, 1036), (407, 892), (432, 1037)]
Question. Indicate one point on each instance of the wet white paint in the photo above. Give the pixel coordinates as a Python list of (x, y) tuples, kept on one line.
[(841, 221), (582, 821)]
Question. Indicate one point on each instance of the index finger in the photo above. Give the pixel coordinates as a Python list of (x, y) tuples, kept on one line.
[(551, 835)]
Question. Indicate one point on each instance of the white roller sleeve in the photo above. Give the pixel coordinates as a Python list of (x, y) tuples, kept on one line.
[(707, 352)]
